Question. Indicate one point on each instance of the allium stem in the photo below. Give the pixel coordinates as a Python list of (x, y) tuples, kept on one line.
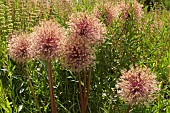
[(81, 95), (52, 98), (128, 109), (32, 90), (88, 88), (85, 96)]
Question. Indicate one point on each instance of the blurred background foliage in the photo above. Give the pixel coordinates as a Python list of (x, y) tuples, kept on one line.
[(147, 43)]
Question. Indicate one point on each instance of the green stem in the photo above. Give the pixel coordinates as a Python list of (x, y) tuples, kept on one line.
[(32, 90), (52, 98)]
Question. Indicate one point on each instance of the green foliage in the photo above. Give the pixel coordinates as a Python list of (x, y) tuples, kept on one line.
[(126, 44), (4, 105)]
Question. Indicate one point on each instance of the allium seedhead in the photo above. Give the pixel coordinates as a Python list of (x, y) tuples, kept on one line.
[(107, 11), (76, 54), (137, 85), (137, 11), (87, 27), (46, 40), (124, 9), (18, 47)]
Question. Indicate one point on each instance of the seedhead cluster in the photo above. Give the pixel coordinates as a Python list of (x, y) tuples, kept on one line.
[(85, 32), (119, 11)]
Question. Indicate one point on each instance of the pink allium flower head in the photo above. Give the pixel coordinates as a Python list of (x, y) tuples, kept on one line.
[(87, 27), (46, 40), (124, 10), (137, 85), (76, 54), (137, 11), (107, 11), (18, 47)]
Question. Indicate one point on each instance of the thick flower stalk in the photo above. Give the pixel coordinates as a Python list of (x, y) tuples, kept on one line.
[(137, 85), (46, 45), (87, 27), (18, 47)]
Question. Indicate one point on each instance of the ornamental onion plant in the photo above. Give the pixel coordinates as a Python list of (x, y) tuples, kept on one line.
[(46, 42)]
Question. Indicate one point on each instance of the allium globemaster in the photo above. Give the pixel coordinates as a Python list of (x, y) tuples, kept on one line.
[(137, 11), (77, 55), (107, 11), (46, 40), (87, 27), (18, 47), (137, 85), (130, 9)]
